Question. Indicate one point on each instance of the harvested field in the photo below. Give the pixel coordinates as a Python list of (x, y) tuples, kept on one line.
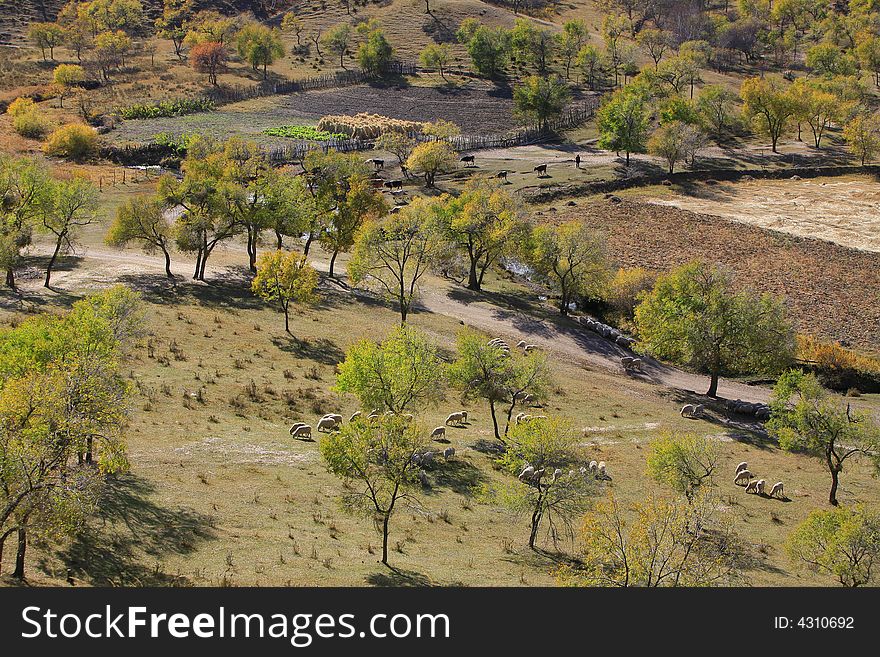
[(840, 210), (832, 291), (467, 106)]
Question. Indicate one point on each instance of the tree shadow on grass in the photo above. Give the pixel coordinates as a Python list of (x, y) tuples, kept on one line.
[(321, 350), (399, 577), (129, 525), (457, 475)]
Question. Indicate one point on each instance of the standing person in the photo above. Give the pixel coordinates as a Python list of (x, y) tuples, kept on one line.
[(577, 160)]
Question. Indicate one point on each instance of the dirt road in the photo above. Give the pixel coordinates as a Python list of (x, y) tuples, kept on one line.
[(562, 338)]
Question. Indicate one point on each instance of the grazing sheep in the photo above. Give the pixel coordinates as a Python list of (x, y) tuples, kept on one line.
[(527, 473), (333, 416), (354, 416), (327, 424), (636, 365), (742, 466), (530, 347), (296, 426), (594, 467), (304, 431), (458, 418), (521, 344), (519, 417), (600, 468), (448, 453), (439, 432), (423, 478), (692, 410), (626, 362), (759, 486), (557, 473), (742, 475), (752, 486), (777, 490)]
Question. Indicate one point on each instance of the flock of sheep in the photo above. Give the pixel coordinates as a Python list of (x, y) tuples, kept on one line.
[(754, 485), (532, 476)]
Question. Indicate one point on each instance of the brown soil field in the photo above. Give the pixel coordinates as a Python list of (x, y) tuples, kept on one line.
[(832, 291)]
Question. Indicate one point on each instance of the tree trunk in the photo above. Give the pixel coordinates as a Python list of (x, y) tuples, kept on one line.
[(10, 279), (832, 494), (287, 319), (333, 262), (308, 244), (494, 419), (473, 281), (20, 554), (167, 263), (536, 522), (279, 238), (713, 385), (385, 539), (52, 261)]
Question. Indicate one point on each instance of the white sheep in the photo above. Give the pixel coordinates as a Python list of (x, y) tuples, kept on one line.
[(456, 418), (520, 417), (777, 490), (333, 416), (527, 473), (448, 453), (594, 467), (327, 424), (423, 478), (438, 432), (752, 486), (742, 475), (303, 431), (759, 486), (692, 410), (742, 466), (530, 347), (521, 344), (636, 365), (296, 426), (626, 361), (600, 468), (354, 416)]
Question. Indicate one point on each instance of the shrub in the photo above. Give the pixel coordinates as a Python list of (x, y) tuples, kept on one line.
[(21, 105), (32, 124), (166, 108), (304, 132), (76, 141)]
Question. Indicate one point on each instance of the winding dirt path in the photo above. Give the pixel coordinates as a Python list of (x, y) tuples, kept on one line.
[(563, 338)]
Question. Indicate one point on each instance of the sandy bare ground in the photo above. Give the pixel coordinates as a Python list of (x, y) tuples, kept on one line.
[(563, 338), (844, 211)]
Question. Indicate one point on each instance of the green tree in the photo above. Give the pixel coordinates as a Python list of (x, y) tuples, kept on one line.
[(436, 55), (571, 41), (626, 289), (174, 22), (862, 135), (623, 124), (868, 54), (110, 51), (431, 158), (541, 99), (76, 141), (293, 23), (398, 143), (669, 142), (769, 105), (571, 258), (376, 462), (402, 374), (65, 77), (655, 43), (657, 543), (25, 187), (72, 204), (360, 203), (533, 45), (375, 54), (561, 492), (486, 371), (489, 48), (395, 253), (843, 543), (259, 46), (337, 39), (285, 278), (808, 420), (695, 317), (590, 63), (46, 36), (685, 463), (828, 59), (64, 403), (716, 105), (142, 219)]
